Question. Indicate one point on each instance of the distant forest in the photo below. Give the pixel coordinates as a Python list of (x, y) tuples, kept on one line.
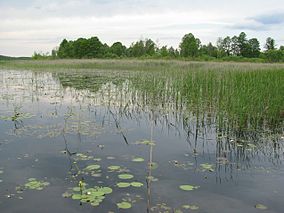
[(236, 48)]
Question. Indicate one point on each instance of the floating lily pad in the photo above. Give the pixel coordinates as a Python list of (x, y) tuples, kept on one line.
[(124, 205), (94, 196), (207, 167), (83, 157), (113, 168), (106, 190), (188, 187), (125, 176), (92, 167), (77, 189), (146, 142), (136, 184), (261, 206), (191, 207), (76, 197), (138, 160), (67, 194), (35, 184), (123, 184), (153, 165)]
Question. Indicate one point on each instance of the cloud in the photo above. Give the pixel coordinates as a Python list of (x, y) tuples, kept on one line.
[(269, 19), (263, 22), (41, 25)]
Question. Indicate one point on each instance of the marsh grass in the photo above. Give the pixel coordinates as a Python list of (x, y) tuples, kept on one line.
[(240, 95)]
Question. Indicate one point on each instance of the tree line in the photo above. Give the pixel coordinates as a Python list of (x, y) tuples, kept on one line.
[(238, 47)]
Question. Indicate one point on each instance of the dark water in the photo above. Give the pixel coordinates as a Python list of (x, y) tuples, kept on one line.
[(48, 120)]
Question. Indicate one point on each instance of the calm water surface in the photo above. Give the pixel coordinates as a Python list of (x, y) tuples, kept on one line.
[(54, 125)]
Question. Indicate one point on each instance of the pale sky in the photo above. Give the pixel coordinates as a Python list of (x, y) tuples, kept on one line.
[(36, 25)]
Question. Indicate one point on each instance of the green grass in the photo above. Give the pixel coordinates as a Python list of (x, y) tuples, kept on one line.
[(238, 95)]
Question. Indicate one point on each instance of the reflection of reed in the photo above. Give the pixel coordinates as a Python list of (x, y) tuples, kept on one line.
[(150, 163)]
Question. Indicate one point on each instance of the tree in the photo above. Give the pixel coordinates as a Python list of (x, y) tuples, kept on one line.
[(269, 44), (209, 50), (224, 46), (150, 47), (235, 46), (189, 46), (137, 49), (164, 52), (243, 44), (254, 48), (118, 49)]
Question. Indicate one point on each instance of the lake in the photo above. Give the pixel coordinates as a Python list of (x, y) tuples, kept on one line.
[(98, 140)]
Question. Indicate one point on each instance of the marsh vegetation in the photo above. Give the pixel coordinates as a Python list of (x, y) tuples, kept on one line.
[(141, 136)]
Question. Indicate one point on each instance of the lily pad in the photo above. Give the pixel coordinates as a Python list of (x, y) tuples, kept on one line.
[(153, 165), (125, 176), (191, 207), (138, 160), (136, 184), (113, 168), (261, 206), (76, 197), (94, 196), (207, 167), (123, 184), (146, 142), (124, 205), (188, 187), (106, 190), (35, 184), (92, 167)]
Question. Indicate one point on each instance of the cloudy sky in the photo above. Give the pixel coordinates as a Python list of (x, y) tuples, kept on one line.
[(39, 25)]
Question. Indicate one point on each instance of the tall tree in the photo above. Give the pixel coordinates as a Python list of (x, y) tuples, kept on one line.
[(150, 47), (270, 44), (118, 49), (189, 46), (254, 48)]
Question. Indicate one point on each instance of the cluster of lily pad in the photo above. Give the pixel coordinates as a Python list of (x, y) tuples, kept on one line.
[(35, 184), (94, 195), (93, 170)]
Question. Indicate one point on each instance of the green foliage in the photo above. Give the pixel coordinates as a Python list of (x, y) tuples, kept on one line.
[(189, 46), (236, 48)]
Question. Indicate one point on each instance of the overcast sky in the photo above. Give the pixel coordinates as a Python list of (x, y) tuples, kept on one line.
[(39, 25)]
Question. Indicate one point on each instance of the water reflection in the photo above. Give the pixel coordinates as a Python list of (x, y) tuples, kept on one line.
[(76, 107)]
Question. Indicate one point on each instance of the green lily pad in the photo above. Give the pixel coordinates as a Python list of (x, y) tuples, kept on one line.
[(207, 167), (138, 160), (76, 197), (92, 167), (113, 168), (67, 194), (124, 205), (261, 206), (153, 165), (123, 184), (191, 207), (77, 189), (106, 190), (146, 142), (94, 196), (35, 184), (188, 187), (136, 184), (125, 176)]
